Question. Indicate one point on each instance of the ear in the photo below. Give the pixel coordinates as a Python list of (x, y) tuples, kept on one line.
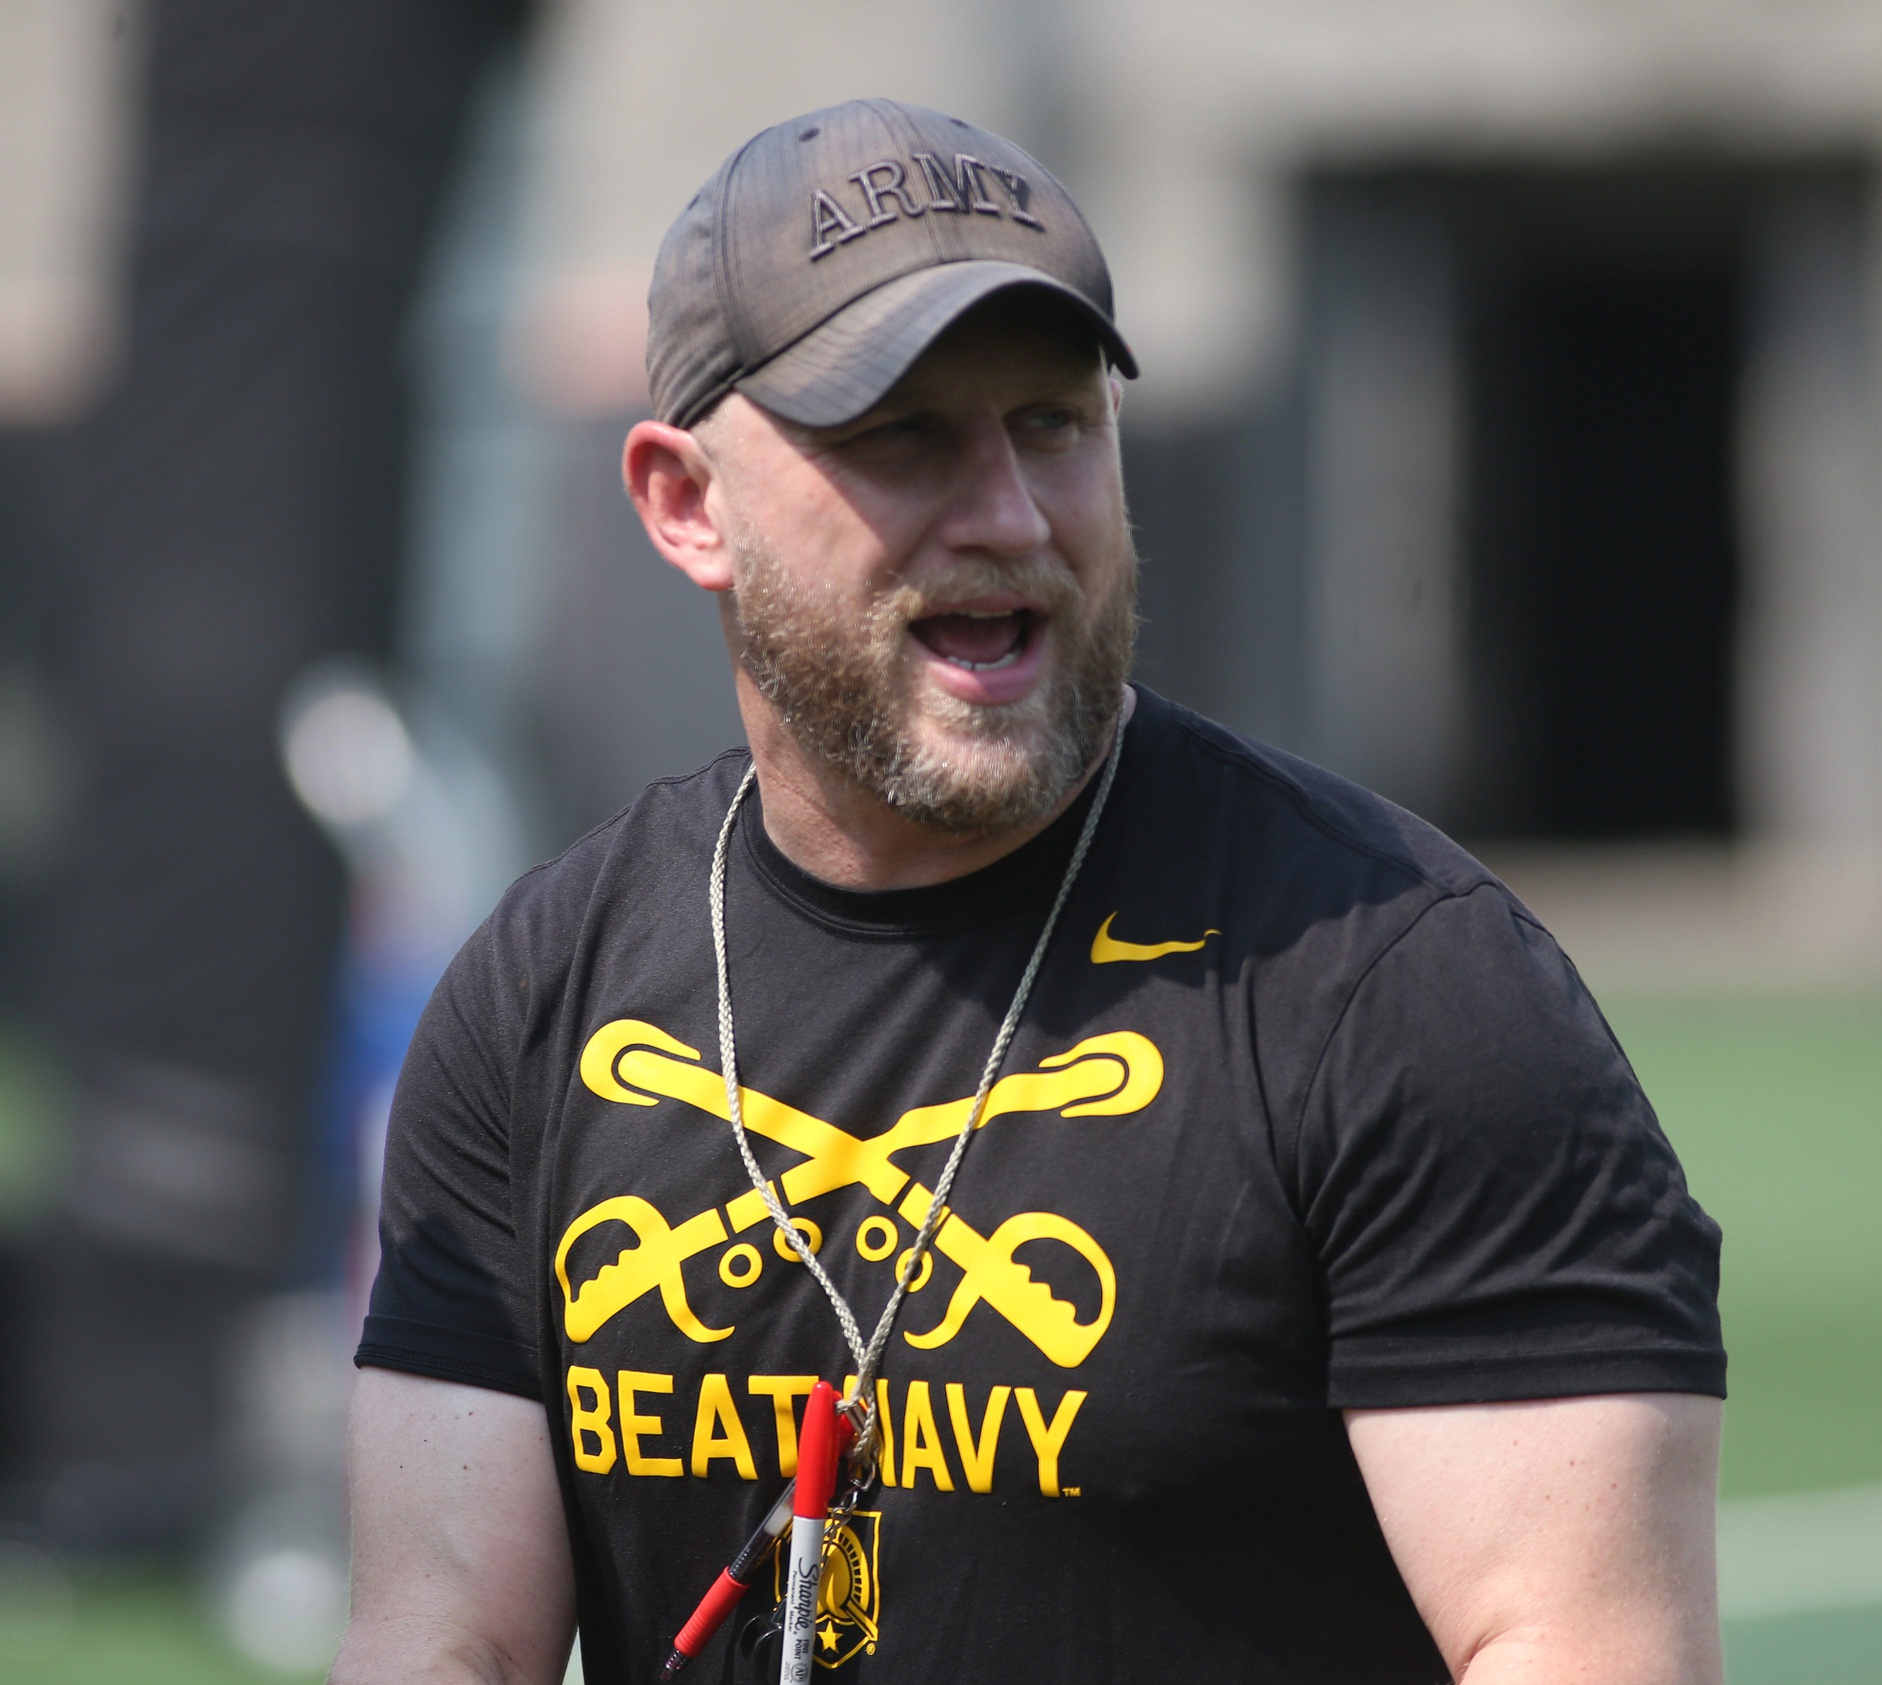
[(668, 475)]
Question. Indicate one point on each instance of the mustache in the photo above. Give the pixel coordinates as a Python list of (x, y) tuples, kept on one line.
[(1046, 585)]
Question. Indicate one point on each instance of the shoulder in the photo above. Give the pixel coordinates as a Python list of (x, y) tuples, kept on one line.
[(661, 832), (1313, 847), (1337, 824), (650, 852)]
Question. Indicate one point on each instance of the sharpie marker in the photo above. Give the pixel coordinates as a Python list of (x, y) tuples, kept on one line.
[(810, 1509), (736, 1577)]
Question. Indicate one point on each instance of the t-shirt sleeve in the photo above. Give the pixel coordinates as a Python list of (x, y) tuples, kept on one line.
[(450, 1300), (1496, 1210)]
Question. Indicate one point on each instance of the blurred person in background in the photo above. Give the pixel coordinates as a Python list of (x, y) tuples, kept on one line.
[(206, 493), (1402, 1353), (60, 160), (236, 498)]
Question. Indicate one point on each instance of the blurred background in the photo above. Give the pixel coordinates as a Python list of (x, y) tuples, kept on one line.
[(1508, 440)]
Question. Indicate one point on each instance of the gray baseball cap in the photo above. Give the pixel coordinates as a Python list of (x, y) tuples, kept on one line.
[(829, 252)]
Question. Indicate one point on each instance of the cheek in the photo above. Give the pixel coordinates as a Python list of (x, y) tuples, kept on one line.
[(1089, 524), (859, 555), (810, 549)]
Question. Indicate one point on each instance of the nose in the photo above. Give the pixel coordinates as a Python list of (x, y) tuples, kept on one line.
[(992, 508)]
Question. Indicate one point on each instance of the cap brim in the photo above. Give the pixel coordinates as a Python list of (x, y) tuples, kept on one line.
[(847, 364)]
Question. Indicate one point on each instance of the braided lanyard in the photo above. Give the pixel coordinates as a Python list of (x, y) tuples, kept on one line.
[(868, 1354)]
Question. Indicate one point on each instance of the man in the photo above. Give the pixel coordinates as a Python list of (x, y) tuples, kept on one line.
[(1318, 1300)]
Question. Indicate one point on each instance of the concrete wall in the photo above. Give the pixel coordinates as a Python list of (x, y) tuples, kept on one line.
[(1198, 124)]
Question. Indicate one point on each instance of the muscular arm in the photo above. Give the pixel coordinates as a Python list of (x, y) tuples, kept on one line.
[(461, 1569), (1555, 1541)]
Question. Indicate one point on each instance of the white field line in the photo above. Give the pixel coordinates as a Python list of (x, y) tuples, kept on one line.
[(1800, 1551)]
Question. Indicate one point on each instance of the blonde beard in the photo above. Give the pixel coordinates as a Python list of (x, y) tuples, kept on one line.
[(844, 691)]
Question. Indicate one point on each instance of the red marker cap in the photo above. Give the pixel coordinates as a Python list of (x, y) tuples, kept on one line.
[(817, 1455)]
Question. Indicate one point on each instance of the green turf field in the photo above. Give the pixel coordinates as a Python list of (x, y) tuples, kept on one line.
[(1776, 1108), (127, 1630)]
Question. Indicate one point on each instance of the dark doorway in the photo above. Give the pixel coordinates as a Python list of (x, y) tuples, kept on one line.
[(1592, 325), (1602, 344), (1598, 339)]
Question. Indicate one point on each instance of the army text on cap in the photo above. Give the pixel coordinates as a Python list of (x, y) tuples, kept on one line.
[(887, 184)]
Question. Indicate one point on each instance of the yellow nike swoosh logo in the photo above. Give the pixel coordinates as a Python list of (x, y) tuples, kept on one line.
[(1105, 948)]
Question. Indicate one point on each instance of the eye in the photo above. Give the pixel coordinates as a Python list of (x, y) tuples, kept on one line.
[(1050, 421), (896, 432), (901, 427)]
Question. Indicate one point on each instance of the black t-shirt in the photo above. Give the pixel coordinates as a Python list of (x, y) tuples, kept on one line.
[(1306, 1113)]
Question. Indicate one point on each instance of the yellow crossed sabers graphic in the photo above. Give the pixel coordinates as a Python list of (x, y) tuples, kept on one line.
[(636, 1063)]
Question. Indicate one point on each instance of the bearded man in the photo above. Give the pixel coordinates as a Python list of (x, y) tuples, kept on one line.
[(1244, 1249)]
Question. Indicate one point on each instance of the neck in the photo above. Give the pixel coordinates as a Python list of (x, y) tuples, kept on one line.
[(829, 826)]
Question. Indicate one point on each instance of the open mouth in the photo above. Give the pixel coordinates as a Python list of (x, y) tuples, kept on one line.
[(979, 640)]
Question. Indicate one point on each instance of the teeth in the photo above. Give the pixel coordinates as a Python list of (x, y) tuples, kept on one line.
[(1006, 660)]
